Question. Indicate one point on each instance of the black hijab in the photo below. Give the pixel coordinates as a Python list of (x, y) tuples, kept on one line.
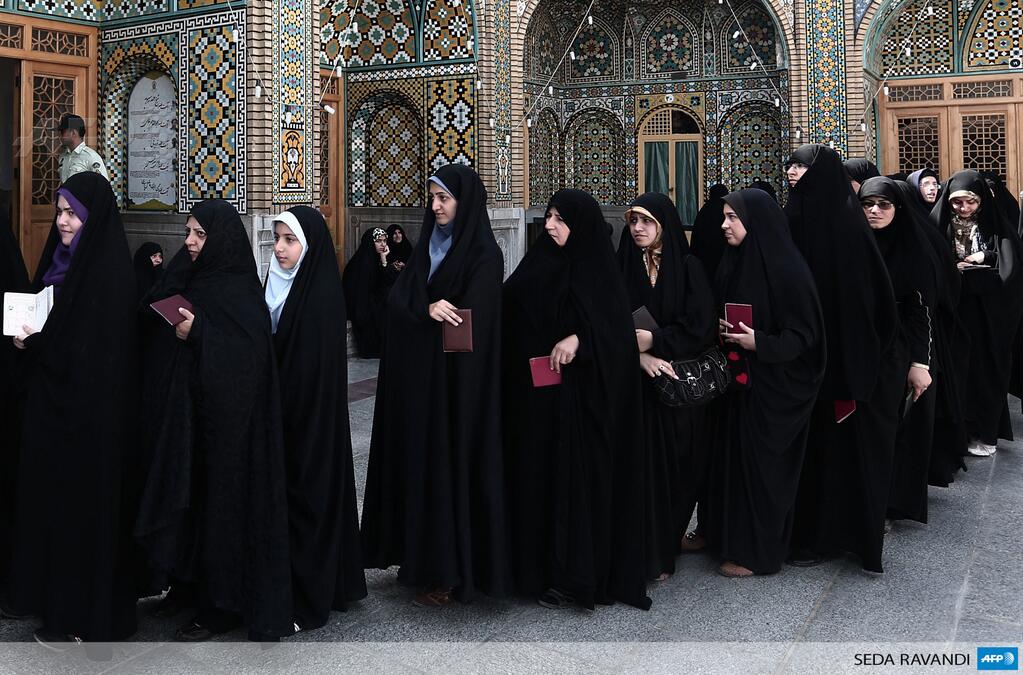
[(311, 347), (860, 169), (682, 297), (358, 279), (220, 418), (399, 252), (766, 187), (69, 566), (554, 292), (950, 278), (145, 273), (829, 228), (1006, 200), (708, 242), (912, 264)]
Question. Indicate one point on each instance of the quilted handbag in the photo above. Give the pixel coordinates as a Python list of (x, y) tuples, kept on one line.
[(701, 380)]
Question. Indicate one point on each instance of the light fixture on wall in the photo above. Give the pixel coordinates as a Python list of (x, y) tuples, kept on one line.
[(493, 123), (885, 89), (589, 19), (329, 108), (735, 35), (572, 54), (259, 92), (529, 122)]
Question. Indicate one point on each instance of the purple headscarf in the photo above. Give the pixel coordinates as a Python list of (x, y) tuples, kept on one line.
[(62, 254)]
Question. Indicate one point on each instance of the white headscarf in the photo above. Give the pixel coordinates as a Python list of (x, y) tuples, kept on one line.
[(278, 282)]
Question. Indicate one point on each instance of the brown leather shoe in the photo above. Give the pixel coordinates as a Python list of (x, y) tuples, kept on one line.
[(435, 598)]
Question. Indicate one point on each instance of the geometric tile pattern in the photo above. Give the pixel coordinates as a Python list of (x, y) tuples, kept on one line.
[(395, 175), (760, 31), (128, 9), (193, 4), (293, 106), (199, 54), (597, 54), (383, 33), (122, 64), (825, 59), (451, 134), (982, 89), (86, 10), (542, 47), (544, 158), (446, 32), (931, 42), (211, 134), (996, 39), (366, 99), (502, 97), (594, 147), (751, 146), (671, 46)]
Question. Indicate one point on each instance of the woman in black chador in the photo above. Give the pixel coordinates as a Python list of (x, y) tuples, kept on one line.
[(707, 243), (434, 500), (575, 450), (846, 475), (71, 565), (13, 279), (214, 510), (399, 247), (661, 275), (762, 428), (916, 278), (367, 280), (987, 250), (307, 312), (148, 265), (860, 170)]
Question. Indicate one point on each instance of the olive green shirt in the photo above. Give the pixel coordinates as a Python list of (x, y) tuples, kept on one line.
[(82, 158)]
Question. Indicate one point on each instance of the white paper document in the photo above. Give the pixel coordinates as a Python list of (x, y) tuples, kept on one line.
[(26, 309)]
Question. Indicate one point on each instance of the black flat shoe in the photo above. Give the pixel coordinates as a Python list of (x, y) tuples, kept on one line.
[(193, 632), (806, 558), (54, 641)]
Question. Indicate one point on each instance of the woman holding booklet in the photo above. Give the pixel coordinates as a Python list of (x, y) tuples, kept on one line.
[(762, 427), (574, 450), (434, 500), (214, 512), (70, 565), (662, 276)]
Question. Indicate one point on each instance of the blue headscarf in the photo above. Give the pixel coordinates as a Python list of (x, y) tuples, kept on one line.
[(440, 239)]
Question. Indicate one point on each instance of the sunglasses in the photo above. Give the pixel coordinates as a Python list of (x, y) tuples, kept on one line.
[(879, 203)]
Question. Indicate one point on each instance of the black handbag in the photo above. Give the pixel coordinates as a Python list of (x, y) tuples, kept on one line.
[(701, 380)]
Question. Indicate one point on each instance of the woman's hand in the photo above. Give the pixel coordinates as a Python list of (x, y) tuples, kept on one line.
[(653, 366), (918, 379), (442, 310), (384, 254), (19, 340), (185, 327), (972, 259), (724, 326), (645, 339), (564, 352), (746, 339)]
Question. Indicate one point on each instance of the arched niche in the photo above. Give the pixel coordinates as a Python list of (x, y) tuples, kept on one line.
[(152, 144)]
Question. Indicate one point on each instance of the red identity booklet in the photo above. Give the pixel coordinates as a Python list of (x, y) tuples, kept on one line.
[(843, 409), (543, 376), (168, 309), (458, 338), (734, 313)]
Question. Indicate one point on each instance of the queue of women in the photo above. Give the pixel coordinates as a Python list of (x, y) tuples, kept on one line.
[(211, 462)]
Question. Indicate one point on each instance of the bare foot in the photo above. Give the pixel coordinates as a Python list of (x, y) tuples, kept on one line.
[(734, 570)]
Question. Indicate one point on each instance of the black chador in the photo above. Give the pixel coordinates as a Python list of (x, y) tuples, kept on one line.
[(214, 509), (310, 341), (990, 305), (761, 430), (916, 277), (847, 470), (398, 251), (434, 500), (708, 243), (670, 282), (71, 566), (146, 274), (950, 351), (575, 451), (13, 279), (367, 283)]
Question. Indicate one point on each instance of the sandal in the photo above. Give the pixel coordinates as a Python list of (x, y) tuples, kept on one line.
[(734, 570), (435, 598), (693, 542)]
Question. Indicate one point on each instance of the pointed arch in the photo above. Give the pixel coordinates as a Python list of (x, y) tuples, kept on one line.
[(670, 46), (594, 148)]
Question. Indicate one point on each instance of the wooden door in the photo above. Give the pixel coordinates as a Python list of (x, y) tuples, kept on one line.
[(48, 91), (332, 168), (918, 138), (985, 137)]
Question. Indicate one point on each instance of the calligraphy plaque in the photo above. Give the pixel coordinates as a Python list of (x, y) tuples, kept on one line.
[(152, 151)]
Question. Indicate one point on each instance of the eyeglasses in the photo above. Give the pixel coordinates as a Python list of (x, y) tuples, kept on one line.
[(879, 203), (797, 165)]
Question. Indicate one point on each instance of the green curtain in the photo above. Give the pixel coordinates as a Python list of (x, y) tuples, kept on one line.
[(655, 170), (687, 181)]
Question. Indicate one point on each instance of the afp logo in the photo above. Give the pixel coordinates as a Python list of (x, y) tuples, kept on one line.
[(997, 658)]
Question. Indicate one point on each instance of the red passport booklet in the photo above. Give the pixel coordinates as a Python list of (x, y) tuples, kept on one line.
[(168, 308), (543, 376), (458, 338), (843, 409), (735, 312)]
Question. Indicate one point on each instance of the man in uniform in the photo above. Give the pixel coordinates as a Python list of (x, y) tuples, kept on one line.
[(77, 156)]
